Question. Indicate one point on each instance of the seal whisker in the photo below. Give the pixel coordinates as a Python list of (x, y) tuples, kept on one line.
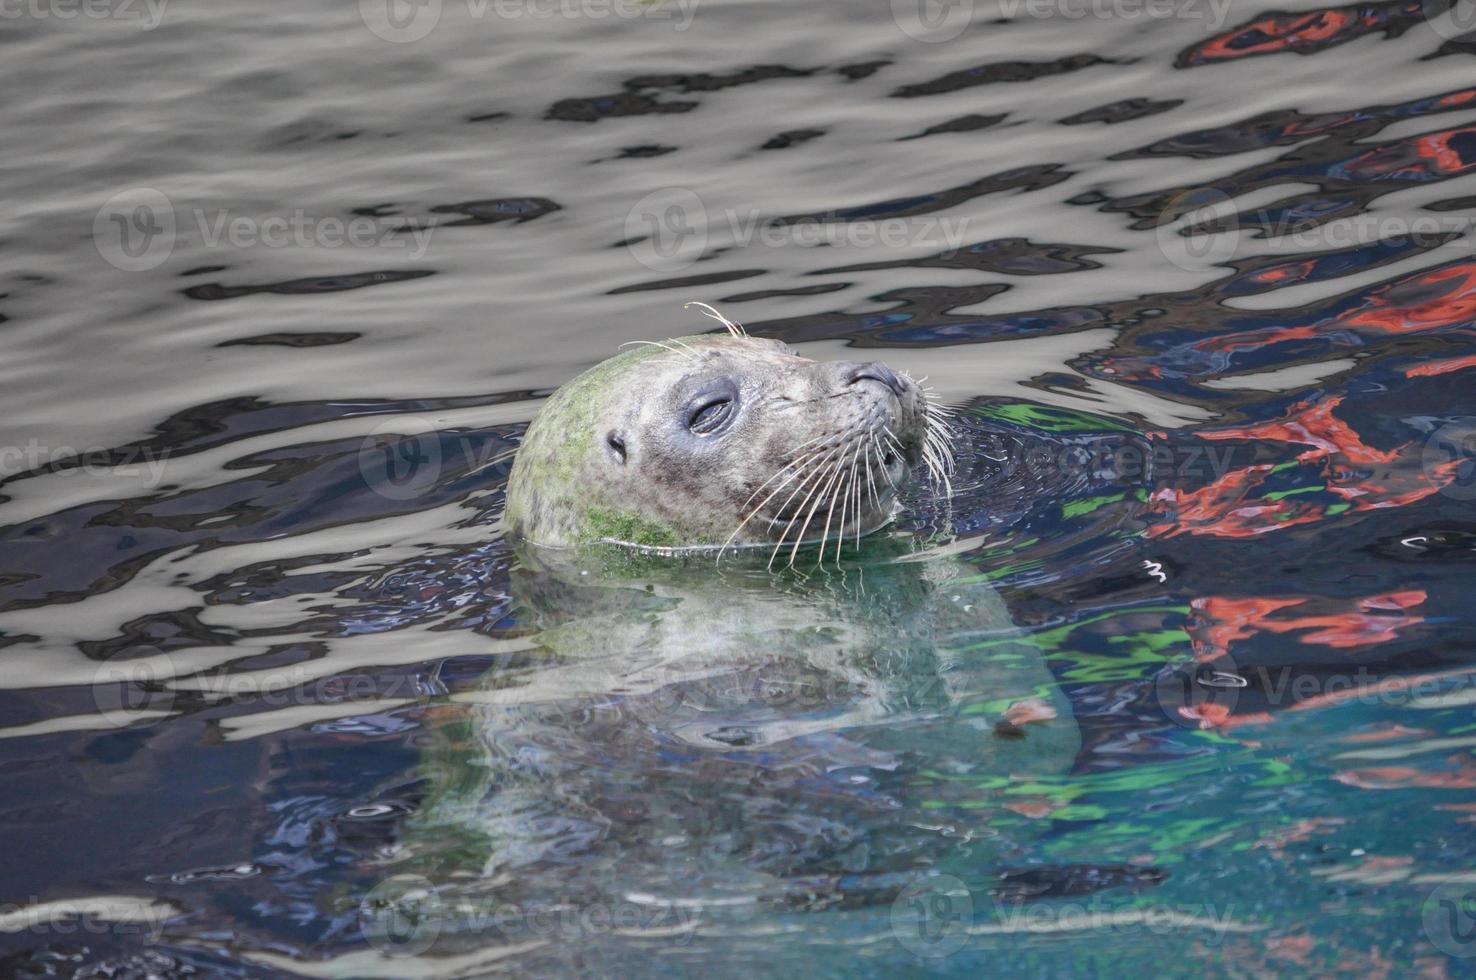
[(500, 457), (753, 513), (871, 480), (815, 494), (784, 534), (856, 494), (937, 411), (811, 479), (942, 436), (938, 472), (842, 496), (695, 356), (655, 343), (818, 498), (892, 441), (786, 466), (850, 493), (735, 329), (881, 461), (939, 424)]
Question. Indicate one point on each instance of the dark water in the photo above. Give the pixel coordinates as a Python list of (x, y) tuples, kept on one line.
[(1183, 682)]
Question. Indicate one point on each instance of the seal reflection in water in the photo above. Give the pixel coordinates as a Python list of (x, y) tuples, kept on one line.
[(693, 745)]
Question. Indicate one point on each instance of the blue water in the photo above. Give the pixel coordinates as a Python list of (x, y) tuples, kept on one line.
[(282, 287)]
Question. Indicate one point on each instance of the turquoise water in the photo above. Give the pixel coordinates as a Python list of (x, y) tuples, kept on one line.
[(1178, 677)]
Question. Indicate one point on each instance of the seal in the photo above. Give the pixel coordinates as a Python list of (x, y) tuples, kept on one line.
[(722, 440)]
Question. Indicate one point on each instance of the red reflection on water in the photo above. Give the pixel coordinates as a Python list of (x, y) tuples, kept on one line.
[(1303, 33), (1433, 155), (1365, 478), (1276, 32), (1424, 301), (1219, 621), (1285, 272), (1446, 366), (1462, 775)]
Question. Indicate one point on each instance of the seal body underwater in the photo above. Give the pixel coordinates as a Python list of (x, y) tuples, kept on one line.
[(721, 742), (721, 440)]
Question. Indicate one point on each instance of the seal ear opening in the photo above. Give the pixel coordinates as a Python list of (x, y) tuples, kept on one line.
[(615, 443)]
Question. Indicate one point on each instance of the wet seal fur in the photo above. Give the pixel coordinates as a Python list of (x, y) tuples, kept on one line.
[(721, 440)]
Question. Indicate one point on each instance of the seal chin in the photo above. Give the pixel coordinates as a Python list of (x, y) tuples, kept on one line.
[(783, 529)]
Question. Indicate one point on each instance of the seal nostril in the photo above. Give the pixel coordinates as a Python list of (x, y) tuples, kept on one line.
[(879, 372)]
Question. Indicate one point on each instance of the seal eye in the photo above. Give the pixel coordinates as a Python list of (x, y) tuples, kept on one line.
[(710, 416)]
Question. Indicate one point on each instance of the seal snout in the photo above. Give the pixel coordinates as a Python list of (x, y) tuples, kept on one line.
[(896, 397), (854, 374)]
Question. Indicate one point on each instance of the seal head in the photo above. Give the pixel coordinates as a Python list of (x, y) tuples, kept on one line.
[(719, 441)]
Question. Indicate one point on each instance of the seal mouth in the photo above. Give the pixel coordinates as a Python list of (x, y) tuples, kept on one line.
[(900, 458), (862, 494), (838, 487)]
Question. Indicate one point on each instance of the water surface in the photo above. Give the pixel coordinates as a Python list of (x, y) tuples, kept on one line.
[(1182, 682)]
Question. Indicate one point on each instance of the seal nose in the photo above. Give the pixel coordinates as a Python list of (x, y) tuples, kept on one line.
[(876, 371)]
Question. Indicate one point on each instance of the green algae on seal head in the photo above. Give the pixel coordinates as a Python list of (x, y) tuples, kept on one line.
[(722, 440)]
